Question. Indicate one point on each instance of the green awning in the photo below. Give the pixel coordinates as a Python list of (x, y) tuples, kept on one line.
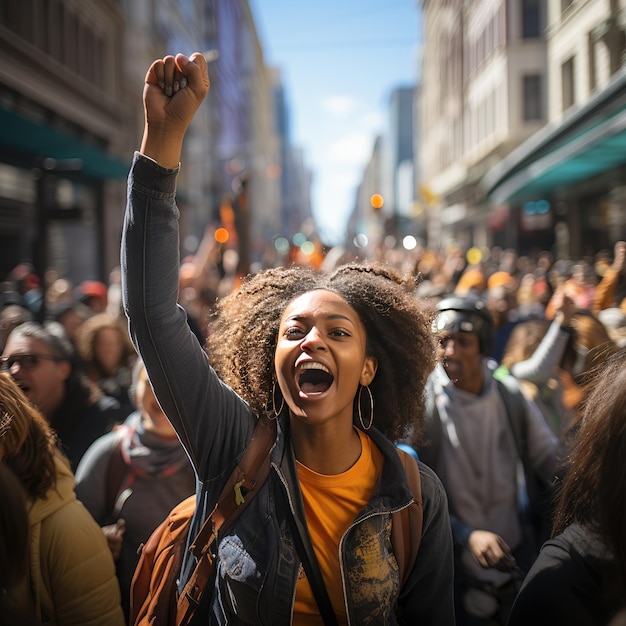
[(36, 140), (589, 143)]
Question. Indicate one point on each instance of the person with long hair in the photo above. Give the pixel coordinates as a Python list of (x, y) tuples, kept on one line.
[(107, 356), (71, 575), (580, 574), (338, 360)]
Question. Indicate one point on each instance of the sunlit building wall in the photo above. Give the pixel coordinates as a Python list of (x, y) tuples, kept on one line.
[(585, 51), (483, 93)]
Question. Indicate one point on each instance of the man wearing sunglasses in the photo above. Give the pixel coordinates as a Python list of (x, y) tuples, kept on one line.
[(43, 364)]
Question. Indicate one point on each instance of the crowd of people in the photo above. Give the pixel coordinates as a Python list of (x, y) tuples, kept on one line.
[(504, 377)]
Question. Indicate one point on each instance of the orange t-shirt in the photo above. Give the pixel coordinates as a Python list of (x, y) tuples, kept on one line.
[(331, 503)]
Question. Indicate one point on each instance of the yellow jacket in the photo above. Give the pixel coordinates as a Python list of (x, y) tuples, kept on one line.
[(71, 579)]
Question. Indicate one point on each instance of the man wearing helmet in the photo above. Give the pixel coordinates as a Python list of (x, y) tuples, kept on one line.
[(491, 448)]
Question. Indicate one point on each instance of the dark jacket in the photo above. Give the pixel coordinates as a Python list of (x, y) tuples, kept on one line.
[(84, 415), (575, 580)]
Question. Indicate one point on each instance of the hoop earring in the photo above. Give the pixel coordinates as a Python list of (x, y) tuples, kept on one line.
[(371, 407), (282, 403)]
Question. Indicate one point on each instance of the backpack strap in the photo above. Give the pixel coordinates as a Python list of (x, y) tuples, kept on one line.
[(514, 403), (153, 587), (406, 528), (116, 477), (244, 483)]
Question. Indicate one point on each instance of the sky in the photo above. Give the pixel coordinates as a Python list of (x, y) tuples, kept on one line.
[(339, 60)]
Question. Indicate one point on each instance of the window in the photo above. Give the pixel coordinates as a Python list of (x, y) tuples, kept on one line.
[(567, 84), (531, 19), (533, 101)]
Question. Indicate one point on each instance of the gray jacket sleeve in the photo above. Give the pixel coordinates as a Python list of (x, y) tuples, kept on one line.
[(212, 422), (540, 365)]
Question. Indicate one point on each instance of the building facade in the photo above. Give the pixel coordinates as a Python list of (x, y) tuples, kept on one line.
[(564, 186), (483, 93), (521, 124), (64, 153)]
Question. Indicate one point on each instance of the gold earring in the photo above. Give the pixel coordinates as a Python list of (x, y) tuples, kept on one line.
[(371, 407), (282, 403)]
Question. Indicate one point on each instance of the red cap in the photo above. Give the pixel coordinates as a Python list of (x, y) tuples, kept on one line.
[(94, 289)]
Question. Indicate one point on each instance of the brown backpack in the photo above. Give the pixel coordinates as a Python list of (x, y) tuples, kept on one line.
[(153, 589), (154, 598)]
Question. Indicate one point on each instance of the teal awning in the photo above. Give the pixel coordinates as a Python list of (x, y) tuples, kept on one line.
[(37, 140), (590, 142)]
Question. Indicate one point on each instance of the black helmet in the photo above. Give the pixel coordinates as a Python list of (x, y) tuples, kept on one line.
[(466, 314)]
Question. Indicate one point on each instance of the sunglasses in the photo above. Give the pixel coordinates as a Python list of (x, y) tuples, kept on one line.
[(25, 361)]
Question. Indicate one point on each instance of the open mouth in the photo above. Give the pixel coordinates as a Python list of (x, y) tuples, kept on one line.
[(314, 378)]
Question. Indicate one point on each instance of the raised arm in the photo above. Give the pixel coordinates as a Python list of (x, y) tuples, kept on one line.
[(210, 419), (540, 365)]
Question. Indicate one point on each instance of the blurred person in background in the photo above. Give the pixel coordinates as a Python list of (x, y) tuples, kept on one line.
[(611, 290), (535, 354), (580, 574), (530, 298), (94, 294), (108, 356), (500, 301), (69, 315), (131, 478), (70, 577), (27, 284), (11, 316), (495, 456), (592, 347), (44, 366)]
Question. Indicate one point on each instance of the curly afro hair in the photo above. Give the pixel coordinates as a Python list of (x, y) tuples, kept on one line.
[(244, 333)]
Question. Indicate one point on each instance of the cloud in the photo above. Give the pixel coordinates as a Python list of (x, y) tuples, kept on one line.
[(352, 149), (373, 120), (341, 106)]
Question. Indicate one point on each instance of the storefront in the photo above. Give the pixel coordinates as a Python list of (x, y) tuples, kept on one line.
[(51, 197), (566, 186)]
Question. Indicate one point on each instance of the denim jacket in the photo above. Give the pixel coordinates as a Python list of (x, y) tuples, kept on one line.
[(258, 565)]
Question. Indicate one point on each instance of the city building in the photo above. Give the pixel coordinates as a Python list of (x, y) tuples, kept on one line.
[(565, 187), (483, 93), (523, 124), (64, 146)]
